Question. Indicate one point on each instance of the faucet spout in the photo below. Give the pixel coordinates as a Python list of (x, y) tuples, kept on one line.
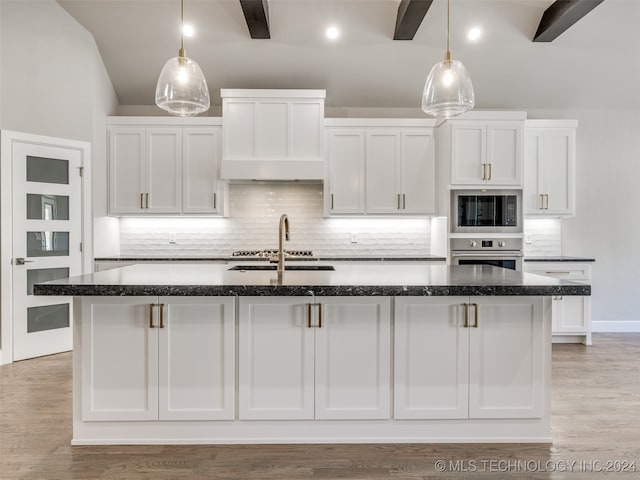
[(283, 234)]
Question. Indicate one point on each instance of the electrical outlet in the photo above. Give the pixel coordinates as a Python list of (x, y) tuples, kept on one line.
[(528, 238), (354, 238), (172, 238)]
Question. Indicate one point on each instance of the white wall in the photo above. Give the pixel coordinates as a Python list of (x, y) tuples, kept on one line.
[(54, 83), (607, 225)]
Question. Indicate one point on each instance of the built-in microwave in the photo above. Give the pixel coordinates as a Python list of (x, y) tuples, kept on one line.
[(486, 211)]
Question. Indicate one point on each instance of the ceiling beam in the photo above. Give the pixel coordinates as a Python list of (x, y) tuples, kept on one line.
[(410, 15), (256, 13), (560, 16)]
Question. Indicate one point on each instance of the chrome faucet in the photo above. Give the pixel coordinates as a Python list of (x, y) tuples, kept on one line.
[(283, 234)]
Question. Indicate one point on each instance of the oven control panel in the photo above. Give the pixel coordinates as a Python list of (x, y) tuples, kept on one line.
[(488, 244)]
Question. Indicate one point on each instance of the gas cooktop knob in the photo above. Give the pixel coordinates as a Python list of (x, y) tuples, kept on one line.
[(502, 243), (473, 244)]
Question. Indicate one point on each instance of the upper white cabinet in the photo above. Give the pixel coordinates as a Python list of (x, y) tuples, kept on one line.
[(549, 179), (345, 188), (202, 191), (144, 170), (273, 134), (164, 166), (486, 153), (322, 358), (382, 167)]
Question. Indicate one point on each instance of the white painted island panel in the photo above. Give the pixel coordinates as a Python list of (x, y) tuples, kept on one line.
[(196, 358), (120, 359), (431, 359), (276, 351), (506, 378), (353, 358)]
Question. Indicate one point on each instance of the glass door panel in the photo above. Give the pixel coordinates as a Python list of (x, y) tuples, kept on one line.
[(40, 275), (48, 317), (47, 244), (47, 207), (47, 170)]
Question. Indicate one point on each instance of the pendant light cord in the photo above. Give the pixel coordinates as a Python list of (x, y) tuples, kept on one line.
[(182, 53), (448, 54)]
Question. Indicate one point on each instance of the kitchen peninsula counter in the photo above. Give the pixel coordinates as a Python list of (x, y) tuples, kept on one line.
[(346, 280), (191, 354)]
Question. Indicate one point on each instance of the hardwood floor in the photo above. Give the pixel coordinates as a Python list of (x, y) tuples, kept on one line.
[(596, 418)]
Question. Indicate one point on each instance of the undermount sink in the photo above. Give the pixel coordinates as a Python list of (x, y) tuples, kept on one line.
[(286, 267)]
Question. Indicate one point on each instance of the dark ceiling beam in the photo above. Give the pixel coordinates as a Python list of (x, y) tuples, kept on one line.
[(410, 15), (256, 13), (560, 16)]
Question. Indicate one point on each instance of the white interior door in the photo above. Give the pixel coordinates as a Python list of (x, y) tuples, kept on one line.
[(46, 231)]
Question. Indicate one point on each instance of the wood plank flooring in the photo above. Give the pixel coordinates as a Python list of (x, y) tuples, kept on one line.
[(596, 418)]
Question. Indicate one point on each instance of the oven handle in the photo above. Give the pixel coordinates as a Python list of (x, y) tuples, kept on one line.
[(502, 254)]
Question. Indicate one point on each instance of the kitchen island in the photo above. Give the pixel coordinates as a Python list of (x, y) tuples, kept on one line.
[(365, 353)]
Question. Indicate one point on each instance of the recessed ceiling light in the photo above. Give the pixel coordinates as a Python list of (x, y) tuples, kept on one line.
[(474, 34), (188, 30), (332, 32)]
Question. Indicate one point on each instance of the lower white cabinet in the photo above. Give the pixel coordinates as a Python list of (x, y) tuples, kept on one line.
[(322, 358), (158, 358), (571, 315), (476, 358)]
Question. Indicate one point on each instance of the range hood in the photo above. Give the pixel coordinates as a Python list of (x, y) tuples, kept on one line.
[(272, 134)]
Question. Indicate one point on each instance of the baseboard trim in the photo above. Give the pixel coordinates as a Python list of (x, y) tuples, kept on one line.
[(616, 326)]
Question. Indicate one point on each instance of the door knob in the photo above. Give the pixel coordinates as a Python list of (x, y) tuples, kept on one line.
[(22, 261)]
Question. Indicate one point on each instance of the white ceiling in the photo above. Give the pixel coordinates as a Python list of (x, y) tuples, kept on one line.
[(591, 65)]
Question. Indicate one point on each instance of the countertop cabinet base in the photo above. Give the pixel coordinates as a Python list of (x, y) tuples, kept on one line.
[(166, 370), (571, 315)]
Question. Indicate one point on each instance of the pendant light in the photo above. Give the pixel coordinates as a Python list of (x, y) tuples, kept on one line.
[(182, 89), (448, 90)]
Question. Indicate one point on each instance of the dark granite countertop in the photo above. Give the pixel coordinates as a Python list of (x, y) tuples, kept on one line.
[(229, 258), (346, 280), (559, 258), (143, 258)]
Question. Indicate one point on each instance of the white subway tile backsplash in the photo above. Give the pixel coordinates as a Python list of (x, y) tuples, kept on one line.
[(253, 224), (545, 235)]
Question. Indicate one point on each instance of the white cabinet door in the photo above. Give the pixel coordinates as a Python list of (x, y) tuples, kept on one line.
[(163, 170), (276, 356), (201, 170), (504, 153), (306, 129), (532, 200), (505, 358), (431, 358), (353, 358), (571, 314), (559, 175), (119, 359), (196, 358), (468, 153), (418, 171), (549, 188), (486, 153), (383, 171), (126, 170), (346, 190)]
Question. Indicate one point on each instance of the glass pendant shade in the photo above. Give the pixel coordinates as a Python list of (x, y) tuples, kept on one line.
[(448, 90), (182, 89)]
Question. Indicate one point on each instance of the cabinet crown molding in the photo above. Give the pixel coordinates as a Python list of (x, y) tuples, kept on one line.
[(271, 93), (169, 121)]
